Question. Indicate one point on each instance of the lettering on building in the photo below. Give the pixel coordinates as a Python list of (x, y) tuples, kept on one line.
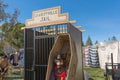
[(47, 17)]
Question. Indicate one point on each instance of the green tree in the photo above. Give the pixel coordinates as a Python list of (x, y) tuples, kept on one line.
[(113, 38), (3, 15), (82, 43), (3, 35), (18, 36), (89, 41), (13, 35), (96, 42), (109, 39)]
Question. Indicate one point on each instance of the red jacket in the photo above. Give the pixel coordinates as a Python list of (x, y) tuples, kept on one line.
[(60, 75)]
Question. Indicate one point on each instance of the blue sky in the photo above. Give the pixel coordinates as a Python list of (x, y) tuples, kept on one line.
[(100, 18)]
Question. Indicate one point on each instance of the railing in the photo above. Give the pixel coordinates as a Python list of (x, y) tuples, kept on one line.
[(113, 70)]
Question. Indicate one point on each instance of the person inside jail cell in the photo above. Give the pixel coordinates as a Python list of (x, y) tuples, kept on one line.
[(60, 71)]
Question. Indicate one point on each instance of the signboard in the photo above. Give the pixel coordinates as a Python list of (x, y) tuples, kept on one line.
[(45, 17)]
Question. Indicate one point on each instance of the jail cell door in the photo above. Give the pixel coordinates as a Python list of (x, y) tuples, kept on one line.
[(43, 47), (29, 53)]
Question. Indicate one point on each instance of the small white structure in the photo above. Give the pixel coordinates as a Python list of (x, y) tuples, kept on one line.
[(104, 51)]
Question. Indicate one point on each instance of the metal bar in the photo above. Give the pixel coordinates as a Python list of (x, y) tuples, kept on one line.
[(38, 50), (45, 36), (39, 32), (52, 42), (41, 65), (45, 30), (40, 73), (29, 48), (50, 29), (48, 50), (43, 72), (29, 70), (25, 36), (34, 55), (56, 28), (42, 52), (62, 28)]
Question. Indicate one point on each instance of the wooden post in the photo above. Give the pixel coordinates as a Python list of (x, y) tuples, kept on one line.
[(112, 66)]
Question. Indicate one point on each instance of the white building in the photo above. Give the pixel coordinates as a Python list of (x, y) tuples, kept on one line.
[(104, 51)]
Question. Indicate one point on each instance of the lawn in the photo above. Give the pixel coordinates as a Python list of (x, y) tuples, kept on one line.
[(95, 73), (14, 74)]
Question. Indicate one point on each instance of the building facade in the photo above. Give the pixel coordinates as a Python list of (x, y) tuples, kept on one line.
[(105, 49)]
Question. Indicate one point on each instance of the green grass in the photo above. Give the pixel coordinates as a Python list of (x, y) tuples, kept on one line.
[(95, 73), (14, 74)]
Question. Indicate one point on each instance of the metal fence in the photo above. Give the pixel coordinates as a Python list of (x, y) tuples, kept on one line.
[(113, 70), (38, 44)]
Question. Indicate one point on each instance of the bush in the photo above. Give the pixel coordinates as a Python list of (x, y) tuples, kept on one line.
[(2, 54)]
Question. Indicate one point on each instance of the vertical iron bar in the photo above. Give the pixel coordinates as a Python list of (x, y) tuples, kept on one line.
[(38, 51), (58, 28), (45, 30), (48, 50), (62, 28), (40, 31), (42, 53), (25, 36), (43, 57), (50, 29), (34, 54)]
